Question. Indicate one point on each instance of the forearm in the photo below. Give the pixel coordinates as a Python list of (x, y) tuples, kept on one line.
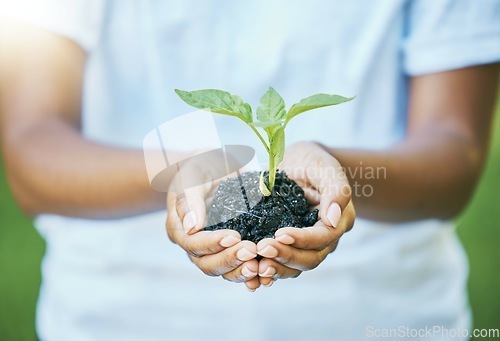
[(53, 169), (433, 172), (432, 176), (50, 166)]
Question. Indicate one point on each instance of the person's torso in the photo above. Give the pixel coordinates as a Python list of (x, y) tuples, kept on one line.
[(104, 279)]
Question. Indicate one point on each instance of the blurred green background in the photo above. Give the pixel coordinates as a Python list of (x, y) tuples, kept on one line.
[(21, 249)]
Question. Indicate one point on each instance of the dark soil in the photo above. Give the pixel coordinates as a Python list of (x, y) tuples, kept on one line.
[(239, 205)]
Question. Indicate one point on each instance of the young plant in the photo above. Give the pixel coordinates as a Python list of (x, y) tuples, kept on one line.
[(271, 116)]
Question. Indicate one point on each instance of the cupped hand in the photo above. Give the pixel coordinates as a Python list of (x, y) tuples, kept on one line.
[(215, 253), (325, 185)]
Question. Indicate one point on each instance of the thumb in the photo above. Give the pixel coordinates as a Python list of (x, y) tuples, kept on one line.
[(191, 209), (333, 200)]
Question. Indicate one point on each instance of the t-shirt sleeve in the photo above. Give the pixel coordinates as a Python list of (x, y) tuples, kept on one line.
[(450, 34), (78, 20)]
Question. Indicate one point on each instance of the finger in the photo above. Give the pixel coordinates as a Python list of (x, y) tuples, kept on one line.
[(292, 257), (312, 195), (266, 281), (204, 243), (253, 284), (331, 182), (173, 222), (178, 205), (270, 269), (191, 208), (226, 260), (328, 186), (348, 217), (335, 194), (315, 237), (245, 272), (201, 243)]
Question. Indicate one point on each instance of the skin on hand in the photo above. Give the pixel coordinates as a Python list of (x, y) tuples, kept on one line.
[(215, 253), (300, 249), (222, 253)]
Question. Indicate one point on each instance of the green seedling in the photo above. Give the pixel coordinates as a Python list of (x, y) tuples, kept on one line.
[(271, 116)]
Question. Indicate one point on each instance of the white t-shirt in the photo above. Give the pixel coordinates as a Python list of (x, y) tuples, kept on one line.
[(124, 280)]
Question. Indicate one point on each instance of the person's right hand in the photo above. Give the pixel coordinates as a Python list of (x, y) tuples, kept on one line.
[(216, 253), (294, 250)]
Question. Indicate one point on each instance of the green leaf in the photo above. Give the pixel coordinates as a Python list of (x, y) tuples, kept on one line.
[(314, 102), (262, 186), (271, 117), (217, 101), (278, 145), (271, 109)]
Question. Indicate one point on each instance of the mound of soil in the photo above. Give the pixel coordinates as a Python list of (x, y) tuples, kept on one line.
[(239, 205)]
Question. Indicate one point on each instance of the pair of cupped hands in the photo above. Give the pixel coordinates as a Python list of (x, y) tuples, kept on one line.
[(292, 250)]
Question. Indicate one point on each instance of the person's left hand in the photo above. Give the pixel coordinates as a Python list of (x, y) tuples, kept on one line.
[(215, 253), (299, 249)]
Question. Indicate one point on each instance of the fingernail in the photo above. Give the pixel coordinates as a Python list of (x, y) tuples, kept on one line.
[(189, 221), (268, 251), (333, 214), (247, 272), (244, 254), (251, 290), (269, 284), (270, 272), (285, 239), (229, 241)]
